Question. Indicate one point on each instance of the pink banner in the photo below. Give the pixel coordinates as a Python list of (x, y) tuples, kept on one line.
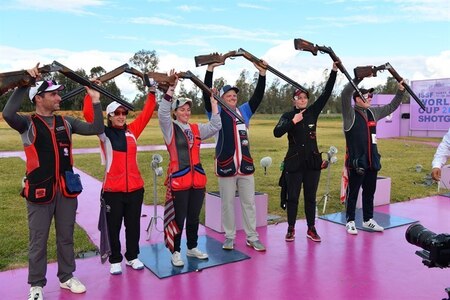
[(435, 94)]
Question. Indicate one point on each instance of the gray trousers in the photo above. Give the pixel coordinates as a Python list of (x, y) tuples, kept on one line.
[(246, 188), (39, 221)]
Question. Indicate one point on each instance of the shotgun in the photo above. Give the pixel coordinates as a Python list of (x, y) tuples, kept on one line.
[(86, 82), (144, 77), (163, 78), (104, 78), (11, 80), (217, 58), (304, 45), (367, 71)]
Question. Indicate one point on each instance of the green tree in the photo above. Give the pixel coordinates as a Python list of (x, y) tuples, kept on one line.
[(74, 103), (145, 61), (244, 87)]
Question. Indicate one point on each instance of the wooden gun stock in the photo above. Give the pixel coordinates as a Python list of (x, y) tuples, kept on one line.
[(407, 88), (104, 78), (367, 71), (207, 59), (11, 80), (304, 45), (163, 80), (301, 44)]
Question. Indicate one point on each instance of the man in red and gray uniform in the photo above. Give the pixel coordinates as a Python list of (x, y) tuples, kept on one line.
[(48, 147)]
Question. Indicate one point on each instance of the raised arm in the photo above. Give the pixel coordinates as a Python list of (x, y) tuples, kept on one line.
[(10, 111), (90, 128), (213, 126), (258, 94), (348, 114), (164, 110), (138, 125), (385, 110), (319, 104), (209, 83)]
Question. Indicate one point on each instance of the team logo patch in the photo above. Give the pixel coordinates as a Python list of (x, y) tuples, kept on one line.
[(39, 193)]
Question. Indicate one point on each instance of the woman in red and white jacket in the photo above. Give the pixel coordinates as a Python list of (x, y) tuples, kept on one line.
[(123, 186)]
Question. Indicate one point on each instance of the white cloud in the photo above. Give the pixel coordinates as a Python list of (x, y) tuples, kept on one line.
[(74, 6), (189, 8), (425, 10), (252, 6), (226, 32)]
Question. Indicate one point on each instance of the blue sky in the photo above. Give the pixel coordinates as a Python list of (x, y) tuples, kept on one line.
[(413, 35)]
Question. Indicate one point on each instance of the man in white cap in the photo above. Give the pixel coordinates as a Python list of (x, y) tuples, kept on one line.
[(234, 164), (47, 187)]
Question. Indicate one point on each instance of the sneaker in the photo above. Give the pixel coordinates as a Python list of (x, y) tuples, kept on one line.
[(136, 264), (176, 259), (290, 235), (373, 225), (257, 245), (194, 252), (228, 244), (36, 293), (312, 234), (351, 227), (115, 269), (74, 285)]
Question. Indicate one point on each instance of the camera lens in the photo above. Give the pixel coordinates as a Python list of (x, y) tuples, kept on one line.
[(418, 235)]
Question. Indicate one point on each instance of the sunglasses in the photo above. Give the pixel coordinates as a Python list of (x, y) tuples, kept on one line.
[(45, 85), (120, 113)]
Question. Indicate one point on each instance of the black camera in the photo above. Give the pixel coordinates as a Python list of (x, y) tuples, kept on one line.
[(436, 247)]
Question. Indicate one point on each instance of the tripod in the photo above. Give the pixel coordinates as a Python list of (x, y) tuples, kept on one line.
[(157, 171), (327, 195), (331, 159)]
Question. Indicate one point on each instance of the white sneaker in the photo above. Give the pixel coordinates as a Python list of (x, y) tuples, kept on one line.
[(36, 293), (176, 259), (351, 227), (194, 252), (116, 269), (136, 264), (74, 285), (373, 225)]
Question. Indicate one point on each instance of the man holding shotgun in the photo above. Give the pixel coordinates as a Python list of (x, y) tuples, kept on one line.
[(362, 159), (50, 186), (234, 164)]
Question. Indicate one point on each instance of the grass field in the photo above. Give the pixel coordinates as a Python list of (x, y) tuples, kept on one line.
[(399, 158)]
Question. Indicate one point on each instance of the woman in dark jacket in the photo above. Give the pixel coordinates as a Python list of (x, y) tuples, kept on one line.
[(303, 161)]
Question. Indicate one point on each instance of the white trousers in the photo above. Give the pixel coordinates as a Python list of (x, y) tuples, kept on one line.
[(245, 185)]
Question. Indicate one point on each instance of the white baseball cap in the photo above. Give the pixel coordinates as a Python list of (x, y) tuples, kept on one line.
[(113, 106), (180, 102), (44, 86)]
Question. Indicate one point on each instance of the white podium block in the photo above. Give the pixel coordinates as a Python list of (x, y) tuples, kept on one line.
[(382, 193), (213, 211), (444, 183)]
